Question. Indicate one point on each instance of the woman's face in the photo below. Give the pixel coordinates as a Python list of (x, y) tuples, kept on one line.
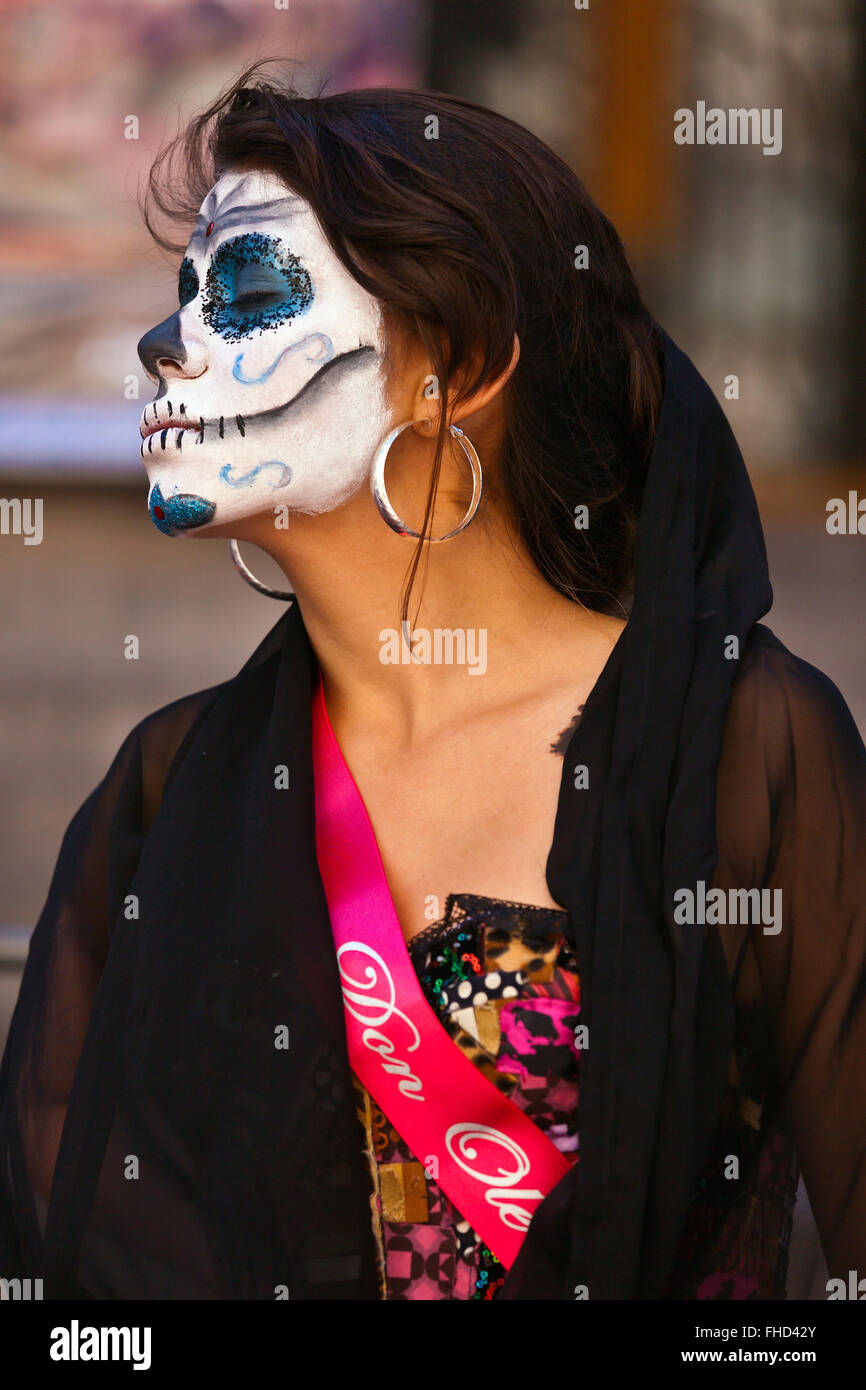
[(271, 381)]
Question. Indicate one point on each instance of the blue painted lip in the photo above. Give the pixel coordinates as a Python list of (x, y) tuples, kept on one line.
[(183, 511)]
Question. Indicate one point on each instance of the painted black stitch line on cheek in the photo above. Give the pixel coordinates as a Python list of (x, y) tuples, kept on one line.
[(340, 364), (345, 361)]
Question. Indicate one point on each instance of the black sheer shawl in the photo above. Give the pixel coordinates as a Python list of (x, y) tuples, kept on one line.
[(156, 1142)]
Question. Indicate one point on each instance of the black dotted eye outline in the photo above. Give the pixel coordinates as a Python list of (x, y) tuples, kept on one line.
[(252, 248), (187, 282)]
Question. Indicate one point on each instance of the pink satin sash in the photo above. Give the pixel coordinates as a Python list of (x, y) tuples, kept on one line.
[(494, 1164)]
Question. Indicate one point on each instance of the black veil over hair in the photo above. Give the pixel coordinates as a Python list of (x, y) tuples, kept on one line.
[(154, 1142)]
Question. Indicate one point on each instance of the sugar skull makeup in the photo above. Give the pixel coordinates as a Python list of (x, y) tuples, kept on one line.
[(271, 388)]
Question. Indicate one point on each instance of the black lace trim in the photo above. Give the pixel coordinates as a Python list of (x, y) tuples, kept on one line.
[(468, 912)]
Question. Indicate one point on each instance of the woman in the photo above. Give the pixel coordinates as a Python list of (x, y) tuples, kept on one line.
[(361, 976)]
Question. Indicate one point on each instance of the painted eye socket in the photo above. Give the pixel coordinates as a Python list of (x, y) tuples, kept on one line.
[(187, 282), (253, 283)]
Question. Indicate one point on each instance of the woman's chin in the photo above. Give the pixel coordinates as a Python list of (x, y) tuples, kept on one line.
[(228, 530)]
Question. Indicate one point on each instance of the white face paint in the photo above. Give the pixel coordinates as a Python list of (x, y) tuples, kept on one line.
[(271, 386)]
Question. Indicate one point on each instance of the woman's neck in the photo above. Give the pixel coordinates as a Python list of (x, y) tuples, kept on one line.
[(484, 611)]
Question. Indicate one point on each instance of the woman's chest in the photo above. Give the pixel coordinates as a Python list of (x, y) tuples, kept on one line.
[(471, 814)]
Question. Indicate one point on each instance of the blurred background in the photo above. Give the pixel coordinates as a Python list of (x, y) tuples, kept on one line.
[(755, 264)]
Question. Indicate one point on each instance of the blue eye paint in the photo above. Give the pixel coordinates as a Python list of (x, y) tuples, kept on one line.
[(183, 511), (246, 478), (324, 355), (187, 282), (253, 283)]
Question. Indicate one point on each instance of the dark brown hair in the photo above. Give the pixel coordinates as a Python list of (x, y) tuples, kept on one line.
[(466, 227)]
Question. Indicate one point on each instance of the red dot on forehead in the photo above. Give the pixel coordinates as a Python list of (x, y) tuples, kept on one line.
[(209, 229)]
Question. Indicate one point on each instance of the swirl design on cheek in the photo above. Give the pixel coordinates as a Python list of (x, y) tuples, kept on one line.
[(247, 478), (254, 283), (323, 353)]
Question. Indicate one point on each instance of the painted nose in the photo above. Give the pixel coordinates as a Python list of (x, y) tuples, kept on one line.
[(165, 356)]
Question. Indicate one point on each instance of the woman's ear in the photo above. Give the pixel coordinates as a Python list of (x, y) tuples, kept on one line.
[(490, 390), (426, 419)]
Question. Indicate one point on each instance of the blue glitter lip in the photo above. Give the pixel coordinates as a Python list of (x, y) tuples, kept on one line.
[(183, 511)]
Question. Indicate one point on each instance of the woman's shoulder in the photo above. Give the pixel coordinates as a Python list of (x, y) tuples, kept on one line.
[(140, 766), (160, 738), (792, 755), (778, 697), (164, 731)]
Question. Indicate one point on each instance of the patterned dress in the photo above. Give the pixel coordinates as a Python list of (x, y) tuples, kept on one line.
[(503, 979)]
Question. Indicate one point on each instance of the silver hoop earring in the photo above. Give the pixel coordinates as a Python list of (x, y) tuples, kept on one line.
[(254, 583), (380, 492)]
